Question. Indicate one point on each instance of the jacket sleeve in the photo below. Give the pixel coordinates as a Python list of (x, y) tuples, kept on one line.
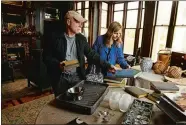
[(96, 44), (120, 59), (94, 57), (48, 57)]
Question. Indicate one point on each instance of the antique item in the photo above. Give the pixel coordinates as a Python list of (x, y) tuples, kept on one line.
[(164, 56), (160, 67), (75, 93), (172, 108), (91, 98), (140, 112), (146, 64), (174, 72), (178, 59), (94, 75)]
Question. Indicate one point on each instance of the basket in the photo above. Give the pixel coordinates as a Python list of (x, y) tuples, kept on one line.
[(164, 56)]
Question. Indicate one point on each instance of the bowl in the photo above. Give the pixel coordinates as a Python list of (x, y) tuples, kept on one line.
[(75, 93)]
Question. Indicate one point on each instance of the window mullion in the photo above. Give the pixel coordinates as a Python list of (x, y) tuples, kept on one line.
[(83, 11), (124, 20), (138, 25), (172, 23)]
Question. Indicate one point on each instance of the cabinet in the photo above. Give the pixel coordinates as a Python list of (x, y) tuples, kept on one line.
[(178, 59)]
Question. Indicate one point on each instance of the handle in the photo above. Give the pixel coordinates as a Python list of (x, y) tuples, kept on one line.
[(164, 50)]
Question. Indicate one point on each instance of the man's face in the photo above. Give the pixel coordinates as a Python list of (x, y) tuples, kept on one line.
[(74, 25), (116, 35)]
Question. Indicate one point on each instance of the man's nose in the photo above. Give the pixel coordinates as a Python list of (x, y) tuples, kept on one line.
[(80, 25)]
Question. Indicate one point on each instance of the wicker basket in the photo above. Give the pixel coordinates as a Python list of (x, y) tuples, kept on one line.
[(164, 56)]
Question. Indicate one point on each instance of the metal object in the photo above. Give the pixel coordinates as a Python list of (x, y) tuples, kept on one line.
[(76, 93), (139, 113), (92, 96)]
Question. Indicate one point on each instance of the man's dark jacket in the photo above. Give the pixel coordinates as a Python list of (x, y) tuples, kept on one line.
[(56, 53)]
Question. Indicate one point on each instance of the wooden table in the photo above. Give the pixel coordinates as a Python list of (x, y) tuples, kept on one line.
[(50, 114)]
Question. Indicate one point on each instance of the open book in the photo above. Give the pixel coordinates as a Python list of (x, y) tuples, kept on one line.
[(125, 73)]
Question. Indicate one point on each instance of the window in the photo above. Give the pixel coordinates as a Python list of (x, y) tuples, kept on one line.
[(51, 13), (83, 9), (104, 13), (179, 43), (131, 16), (161, 27)]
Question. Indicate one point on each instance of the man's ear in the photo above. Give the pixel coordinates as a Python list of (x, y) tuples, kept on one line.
[(68, 22)]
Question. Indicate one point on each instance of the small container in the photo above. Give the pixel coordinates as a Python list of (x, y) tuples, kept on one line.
[(125, 101), (75, 93), (114, 100)]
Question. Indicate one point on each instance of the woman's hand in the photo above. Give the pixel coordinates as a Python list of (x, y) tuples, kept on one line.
[(112, 69)]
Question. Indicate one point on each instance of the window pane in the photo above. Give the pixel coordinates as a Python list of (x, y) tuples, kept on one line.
[(118, 16), (159, 43), (86, 4), (118, 6), (104, 6), (79, 5), (86, 24), (133, 5), (164, 12), (79, 11), (140, 38), (86, 32), (179, 42), (181, 15), (104, 19), (132, 18), (129, 41), (143, 4), (142, 18), (103, 31), (86, 13)]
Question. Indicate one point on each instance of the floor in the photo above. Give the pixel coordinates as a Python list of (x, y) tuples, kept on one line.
[(17, 92)]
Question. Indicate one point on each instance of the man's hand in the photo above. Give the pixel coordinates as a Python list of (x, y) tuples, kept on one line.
[(61, 66), (112, 69)]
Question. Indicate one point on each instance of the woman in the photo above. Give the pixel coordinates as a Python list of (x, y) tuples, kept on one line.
[(109, 46)]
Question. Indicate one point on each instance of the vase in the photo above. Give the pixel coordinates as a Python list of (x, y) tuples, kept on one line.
[(146, 64)]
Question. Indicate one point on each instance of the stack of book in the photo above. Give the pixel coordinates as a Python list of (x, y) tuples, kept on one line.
[(154, 96), (163, 87), (115, 82)]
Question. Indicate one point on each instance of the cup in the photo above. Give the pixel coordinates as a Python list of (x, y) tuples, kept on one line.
[(114, 100), (125, 101)]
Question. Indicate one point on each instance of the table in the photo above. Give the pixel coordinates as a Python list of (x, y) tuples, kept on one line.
[(50, 114)]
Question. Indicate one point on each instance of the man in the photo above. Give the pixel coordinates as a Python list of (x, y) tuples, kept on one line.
[(70, 45)]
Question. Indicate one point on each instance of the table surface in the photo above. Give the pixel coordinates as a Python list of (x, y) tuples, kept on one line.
[(50, 114)]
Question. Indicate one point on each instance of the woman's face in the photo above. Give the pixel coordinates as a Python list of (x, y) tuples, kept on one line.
[(116, 35)]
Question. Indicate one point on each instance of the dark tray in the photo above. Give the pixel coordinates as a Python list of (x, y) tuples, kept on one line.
[(92, 97), (172, 111)]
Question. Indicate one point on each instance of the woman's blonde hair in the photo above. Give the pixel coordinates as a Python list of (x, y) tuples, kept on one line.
[(113, 27)]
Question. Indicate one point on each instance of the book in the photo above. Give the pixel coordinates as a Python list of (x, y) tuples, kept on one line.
[(125, 73), (136, 92), (162, 87), (152, 98), (70, 62), (114, 80)]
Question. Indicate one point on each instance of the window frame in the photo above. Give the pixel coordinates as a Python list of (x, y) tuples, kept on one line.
[(171, 26), (138, 24), (90, 17)]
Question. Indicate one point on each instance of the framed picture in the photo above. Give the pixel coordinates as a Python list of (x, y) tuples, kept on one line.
[(16, 3)]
